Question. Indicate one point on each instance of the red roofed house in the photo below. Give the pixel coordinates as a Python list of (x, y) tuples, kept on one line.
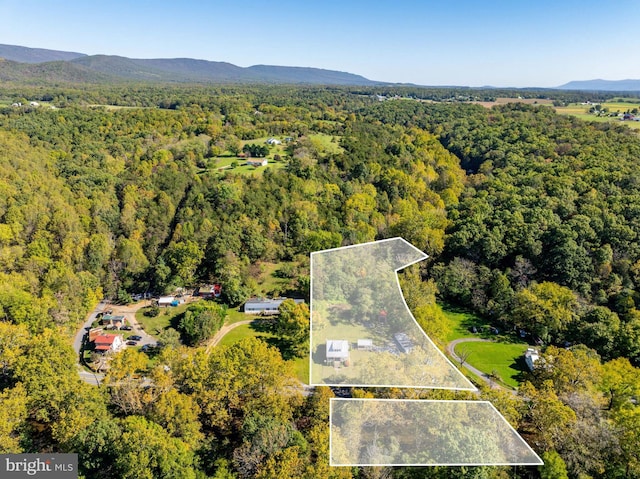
[(108, 343)]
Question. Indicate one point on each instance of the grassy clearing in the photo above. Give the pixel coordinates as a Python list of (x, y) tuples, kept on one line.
[(244, 331), (167, 318), (301, 369), (223, 164), (506, 359), (326, 143), (268, 279), (461, 323), (235, 316), (118, 107), (505, 100)]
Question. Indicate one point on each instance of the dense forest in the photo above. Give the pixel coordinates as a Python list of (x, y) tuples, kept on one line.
[(529, 218)]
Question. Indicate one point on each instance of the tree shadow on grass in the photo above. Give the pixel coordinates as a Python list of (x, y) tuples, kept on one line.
[(263, 325), (521, 366), (285, 347), (175, 321)]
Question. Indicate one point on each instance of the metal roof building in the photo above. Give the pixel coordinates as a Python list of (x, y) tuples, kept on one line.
[(265, 306)]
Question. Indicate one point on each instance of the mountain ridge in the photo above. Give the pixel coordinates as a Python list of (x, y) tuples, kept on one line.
[(81, 68), (602, 85), (35, 55)]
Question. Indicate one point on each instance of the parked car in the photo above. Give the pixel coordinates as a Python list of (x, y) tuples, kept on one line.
[(134, 337), (126, 328), (146, 348), (132, 343)]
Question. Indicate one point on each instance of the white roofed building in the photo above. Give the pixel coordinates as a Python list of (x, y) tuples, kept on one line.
[(337, 350)]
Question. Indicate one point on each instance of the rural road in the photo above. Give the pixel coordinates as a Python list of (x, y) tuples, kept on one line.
[(129, 312), (213, 342), (451, 350)]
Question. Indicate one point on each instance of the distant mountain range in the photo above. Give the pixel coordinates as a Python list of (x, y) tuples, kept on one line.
[(35, 65), (41, 66), (602, 85)]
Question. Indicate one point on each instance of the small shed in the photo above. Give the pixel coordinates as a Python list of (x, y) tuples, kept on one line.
[(404, 342), (530, 357)]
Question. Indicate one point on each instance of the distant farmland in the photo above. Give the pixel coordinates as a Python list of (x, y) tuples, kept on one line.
[(581, 110), (504, 101)]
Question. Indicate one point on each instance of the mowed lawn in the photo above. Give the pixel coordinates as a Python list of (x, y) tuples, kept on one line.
[(300, 365), (223, 164), (241, 332), (461, 323), (505, 358), (505, 355), (164, 320)]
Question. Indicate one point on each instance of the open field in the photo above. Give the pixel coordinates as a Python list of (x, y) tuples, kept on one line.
[(581, 111), (270, 281), (244, 331), (506, 359), (461, 322), (223, 163), (119, 107), (326, 143), (504, 354), (504, 101)]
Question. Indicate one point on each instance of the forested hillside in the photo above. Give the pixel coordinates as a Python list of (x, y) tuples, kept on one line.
[(530, 219)]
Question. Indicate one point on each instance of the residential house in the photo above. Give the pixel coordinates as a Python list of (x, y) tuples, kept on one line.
[(105, 343), (208, 292), (337, 351), (273, 141), (258, 162)]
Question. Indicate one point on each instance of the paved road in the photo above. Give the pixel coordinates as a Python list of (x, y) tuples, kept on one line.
[(129, 312), (95, 379), (451, 350), (77, 341)]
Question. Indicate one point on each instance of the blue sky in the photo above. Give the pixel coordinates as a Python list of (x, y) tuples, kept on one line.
[(456, 42)]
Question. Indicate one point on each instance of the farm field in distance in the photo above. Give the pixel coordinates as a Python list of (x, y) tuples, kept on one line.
[(614, 107)]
